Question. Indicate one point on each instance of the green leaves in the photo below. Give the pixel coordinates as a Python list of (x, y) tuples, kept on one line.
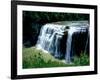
[(47, 17), (82, 60)]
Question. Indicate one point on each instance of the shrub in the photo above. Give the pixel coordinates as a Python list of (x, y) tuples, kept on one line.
[(82, 60)]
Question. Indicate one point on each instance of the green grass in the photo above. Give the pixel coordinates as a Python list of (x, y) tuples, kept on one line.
[(33, 58)]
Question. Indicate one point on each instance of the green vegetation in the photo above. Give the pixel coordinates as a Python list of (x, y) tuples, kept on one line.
[(82, 60), (47, 17), (33, 58)]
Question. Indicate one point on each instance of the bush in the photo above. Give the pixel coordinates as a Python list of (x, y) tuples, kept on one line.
[(82, 60)]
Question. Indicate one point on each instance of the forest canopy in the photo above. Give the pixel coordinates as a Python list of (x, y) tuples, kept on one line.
[(47, 17)]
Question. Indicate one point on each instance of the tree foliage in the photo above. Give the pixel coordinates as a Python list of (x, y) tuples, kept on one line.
[(46, 17)]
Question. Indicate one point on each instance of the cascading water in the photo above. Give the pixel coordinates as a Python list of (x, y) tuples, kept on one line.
[(50, 37), (71, 31)]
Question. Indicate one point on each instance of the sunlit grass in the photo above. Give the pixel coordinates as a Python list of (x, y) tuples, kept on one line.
[(33, 58)]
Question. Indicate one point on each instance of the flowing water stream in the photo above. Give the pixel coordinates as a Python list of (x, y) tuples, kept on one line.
[(51, 34)]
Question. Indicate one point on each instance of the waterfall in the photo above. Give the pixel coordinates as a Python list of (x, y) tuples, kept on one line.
[(71, 31), (51, 34), (49, 39)]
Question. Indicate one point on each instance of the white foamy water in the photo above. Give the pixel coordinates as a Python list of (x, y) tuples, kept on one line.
[(51, 34)]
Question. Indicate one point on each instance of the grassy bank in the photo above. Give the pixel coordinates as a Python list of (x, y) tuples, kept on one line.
[(33, 58)]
